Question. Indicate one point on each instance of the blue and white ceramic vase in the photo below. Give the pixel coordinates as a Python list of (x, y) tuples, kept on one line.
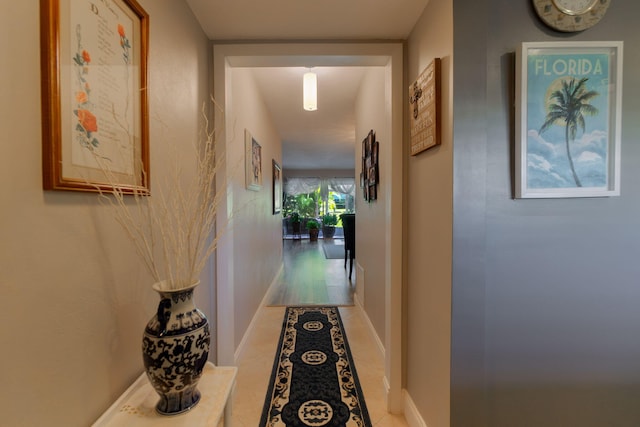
[(175, 347)]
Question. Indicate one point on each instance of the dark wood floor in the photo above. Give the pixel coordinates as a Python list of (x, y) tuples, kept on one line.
[(309, 278)]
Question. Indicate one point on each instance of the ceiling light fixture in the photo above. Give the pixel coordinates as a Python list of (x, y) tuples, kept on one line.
[(310, 91)]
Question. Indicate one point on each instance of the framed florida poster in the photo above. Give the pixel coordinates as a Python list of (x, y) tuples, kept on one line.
[(568, 119)]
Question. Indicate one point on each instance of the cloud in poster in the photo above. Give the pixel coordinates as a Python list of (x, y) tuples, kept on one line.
[(548, 164)]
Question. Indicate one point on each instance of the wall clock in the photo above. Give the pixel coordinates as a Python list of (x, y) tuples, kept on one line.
[(571, 15)]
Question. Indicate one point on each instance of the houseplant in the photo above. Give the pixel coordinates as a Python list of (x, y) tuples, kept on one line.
[(173, 231), (314, 229), (329, 222)]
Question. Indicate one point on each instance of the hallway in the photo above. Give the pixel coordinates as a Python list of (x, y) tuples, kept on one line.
[(317, 280), (308, 277)]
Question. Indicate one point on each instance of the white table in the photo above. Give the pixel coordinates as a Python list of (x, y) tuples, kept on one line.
[(137, 405)]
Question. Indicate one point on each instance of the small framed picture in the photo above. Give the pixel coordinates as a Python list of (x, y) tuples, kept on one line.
[(253, 162), (424, 104), (276, 187), (369, 176)]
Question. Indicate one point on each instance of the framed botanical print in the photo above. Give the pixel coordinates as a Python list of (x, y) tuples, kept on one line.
[(94, 95)]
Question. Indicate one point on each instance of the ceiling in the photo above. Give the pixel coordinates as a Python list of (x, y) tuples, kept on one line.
[(322, 139)]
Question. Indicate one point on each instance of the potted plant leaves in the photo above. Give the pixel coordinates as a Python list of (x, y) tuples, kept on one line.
[(329, 222), (314, 229)]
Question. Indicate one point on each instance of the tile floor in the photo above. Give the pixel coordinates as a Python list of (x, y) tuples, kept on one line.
[(256, 362), (308, 277)]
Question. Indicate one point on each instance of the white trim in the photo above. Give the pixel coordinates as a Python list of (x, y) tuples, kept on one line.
[(411, 414), (241, 347), (372, 330), (385, 384), (225, 311), (393, 342), (359, 285)]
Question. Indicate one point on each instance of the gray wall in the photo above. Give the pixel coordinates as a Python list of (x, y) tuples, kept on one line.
[(545, 322)]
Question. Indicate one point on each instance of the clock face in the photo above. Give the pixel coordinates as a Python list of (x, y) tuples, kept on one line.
[(571, 15), (574, 7)]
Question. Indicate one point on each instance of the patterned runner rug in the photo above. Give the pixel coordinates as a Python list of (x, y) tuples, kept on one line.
[(314, 380)]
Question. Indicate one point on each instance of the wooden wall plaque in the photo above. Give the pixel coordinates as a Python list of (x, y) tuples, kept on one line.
[(424, 109)]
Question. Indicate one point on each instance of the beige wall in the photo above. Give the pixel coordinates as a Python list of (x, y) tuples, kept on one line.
[(257, 233), (75, 298), (429, 231), (371, 218)]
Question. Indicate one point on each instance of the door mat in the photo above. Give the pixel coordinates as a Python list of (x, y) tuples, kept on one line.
[(333, 251), (314, 380)]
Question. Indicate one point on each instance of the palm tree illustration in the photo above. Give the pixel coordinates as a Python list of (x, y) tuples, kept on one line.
[(567, 107)]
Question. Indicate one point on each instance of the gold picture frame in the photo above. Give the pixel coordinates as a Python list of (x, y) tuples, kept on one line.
[(95, 131)]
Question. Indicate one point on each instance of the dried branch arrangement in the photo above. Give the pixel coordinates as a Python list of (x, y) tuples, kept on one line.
[(174, 228)]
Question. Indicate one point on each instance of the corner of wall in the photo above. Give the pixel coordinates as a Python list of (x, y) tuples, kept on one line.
[(411, 413)]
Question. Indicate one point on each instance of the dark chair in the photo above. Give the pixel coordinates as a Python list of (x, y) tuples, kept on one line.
[(349, 227), (295, 227)]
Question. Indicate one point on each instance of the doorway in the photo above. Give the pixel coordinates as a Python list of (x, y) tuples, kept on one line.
[(389, 55)]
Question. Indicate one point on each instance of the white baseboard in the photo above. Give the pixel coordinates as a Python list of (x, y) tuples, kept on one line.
[(360, 283), (387, 387), (241, 347), (370, 327), (411, 414)]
